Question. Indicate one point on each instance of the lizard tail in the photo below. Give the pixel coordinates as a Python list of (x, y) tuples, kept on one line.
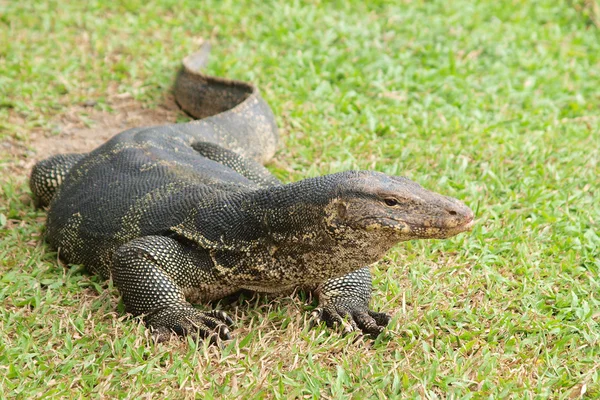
[(246, 123), (47, 176)]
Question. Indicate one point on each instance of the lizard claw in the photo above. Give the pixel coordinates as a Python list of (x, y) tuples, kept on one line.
[(221, 315), (332, 320), (212, 325), (350, 319)]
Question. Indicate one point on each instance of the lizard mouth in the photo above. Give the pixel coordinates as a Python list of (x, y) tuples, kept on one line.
[(467, 226), (417, 230)]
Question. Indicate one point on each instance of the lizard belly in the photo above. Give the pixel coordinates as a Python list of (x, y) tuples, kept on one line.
[(208, 292)]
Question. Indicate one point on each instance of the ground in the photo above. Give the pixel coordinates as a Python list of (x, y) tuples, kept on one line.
[(495, 103)]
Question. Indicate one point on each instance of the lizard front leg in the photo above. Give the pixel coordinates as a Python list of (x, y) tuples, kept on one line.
[(344, 302), (151, 273)]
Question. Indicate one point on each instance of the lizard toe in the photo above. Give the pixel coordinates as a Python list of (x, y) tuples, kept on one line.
[(334, 318), (350, 318), (381, 318), (315, 317), (161, 334), (367, 323), (210, 328), (219, 335), (222, 316), (186, 321)]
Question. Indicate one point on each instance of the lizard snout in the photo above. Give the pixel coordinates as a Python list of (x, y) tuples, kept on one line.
[(462, 218)]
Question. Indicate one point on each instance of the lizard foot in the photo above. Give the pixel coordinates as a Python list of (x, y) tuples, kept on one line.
[(211, 325), (350, 318)]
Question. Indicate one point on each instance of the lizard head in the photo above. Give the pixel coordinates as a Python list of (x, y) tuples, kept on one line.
[(395, 208)]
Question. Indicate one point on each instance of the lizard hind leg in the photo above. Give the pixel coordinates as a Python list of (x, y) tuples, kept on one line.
[(240, 164), (47, 176)]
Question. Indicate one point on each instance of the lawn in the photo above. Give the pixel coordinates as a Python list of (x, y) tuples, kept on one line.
[(496, 103)]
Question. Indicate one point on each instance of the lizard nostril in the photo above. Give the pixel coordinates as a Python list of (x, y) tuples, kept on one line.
[(452, 212)]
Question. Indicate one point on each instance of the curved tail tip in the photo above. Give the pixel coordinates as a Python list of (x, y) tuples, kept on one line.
[(198, 60)]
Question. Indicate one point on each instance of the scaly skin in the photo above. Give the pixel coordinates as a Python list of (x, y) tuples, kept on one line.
[(184, 213)]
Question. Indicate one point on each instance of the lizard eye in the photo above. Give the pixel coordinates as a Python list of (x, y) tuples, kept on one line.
[(391, 202)]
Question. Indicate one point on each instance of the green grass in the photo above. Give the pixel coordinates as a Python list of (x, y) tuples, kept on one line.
[(496, 103)]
